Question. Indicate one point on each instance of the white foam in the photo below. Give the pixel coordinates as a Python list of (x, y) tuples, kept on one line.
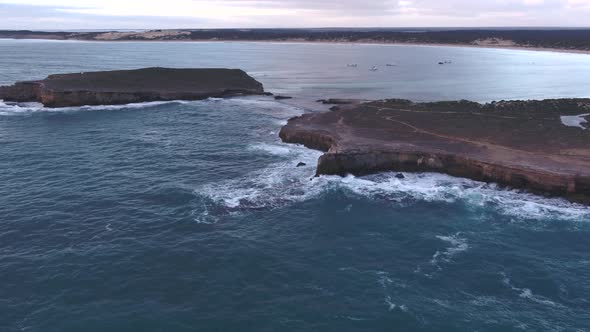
[(384, 279), (275, 149), (355, 319), (204, 218), (458, 245), (32, 107), (275, 186), (392, 306), (442, 303), (526, 293), (11, 109), (261, 105), (575, 120), (282, 183)]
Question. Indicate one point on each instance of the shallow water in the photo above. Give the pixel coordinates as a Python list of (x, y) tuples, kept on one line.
[(183, 216)]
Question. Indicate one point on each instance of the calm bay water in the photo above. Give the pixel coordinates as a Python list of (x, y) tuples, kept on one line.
[(191, 216)]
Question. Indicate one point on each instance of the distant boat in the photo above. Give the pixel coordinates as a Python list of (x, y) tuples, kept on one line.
[(354, 65), (374, 68), (391, 65)]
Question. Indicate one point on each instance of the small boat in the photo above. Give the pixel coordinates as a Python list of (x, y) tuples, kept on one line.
[(391, 65), (374, 68), (353, 65)]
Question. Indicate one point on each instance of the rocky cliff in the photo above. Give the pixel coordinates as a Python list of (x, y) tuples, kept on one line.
[(522, 144), (131, 86)]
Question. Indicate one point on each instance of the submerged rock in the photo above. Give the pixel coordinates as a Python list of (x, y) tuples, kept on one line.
[(132, 86), (279, 97), (522, 144), (340, 101), (400, 176), (301, 164)]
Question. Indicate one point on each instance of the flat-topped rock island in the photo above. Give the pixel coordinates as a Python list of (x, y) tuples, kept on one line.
[(132, 86), (522, 144)]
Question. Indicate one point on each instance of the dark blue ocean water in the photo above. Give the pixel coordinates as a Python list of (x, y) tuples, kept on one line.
[(191, 216)]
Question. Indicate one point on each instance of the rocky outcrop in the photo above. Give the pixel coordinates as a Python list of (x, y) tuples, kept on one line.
[(280, 97), (521, 144), (341, 101), (132, 86)]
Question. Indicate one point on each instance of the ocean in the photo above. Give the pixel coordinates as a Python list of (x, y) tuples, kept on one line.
[(192, 216)]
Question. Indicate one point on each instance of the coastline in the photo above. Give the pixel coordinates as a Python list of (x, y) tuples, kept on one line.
[(499, 47), (296, 41), (481, 142)]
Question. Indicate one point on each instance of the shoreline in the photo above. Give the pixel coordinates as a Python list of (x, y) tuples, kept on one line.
[(377, 43), (398, 135)]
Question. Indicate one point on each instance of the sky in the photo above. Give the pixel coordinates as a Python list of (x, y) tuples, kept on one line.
[(157, 14)]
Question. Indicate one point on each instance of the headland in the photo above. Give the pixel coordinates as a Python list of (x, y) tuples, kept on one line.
[(521, 144), (132, 86)]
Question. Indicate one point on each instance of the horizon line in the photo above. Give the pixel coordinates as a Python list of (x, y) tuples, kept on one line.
[(318, 28)]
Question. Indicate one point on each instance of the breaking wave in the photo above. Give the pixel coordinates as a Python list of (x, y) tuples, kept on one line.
[(526, 293), (261, 106), (283, 183), (457, 243), (9, 108)]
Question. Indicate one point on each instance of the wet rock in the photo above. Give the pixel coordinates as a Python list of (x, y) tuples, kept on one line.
[(400, 176), (340, 101), (301, 164)]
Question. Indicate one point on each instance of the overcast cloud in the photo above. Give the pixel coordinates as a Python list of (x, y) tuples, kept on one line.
[(141, 14)]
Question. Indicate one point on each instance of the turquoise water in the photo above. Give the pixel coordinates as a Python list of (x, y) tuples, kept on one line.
[(186, 216)]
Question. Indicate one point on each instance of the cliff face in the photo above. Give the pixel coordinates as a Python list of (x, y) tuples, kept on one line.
[(131, 86), (519, 144), (21, 92)]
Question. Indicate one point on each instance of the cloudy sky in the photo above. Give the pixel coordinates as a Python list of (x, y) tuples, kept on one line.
[(140, 14)]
